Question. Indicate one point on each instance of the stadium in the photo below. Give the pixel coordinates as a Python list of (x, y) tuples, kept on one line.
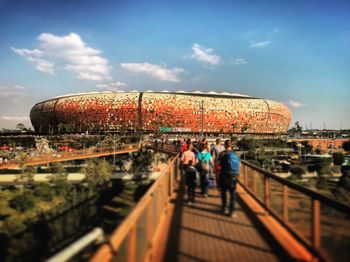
[(165, 111)]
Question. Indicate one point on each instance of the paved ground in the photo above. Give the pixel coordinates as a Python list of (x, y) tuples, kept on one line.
[(202, 233)]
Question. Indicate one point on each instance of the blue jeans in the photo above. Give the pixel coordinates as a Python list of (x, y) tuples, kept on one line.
[(230, 187)]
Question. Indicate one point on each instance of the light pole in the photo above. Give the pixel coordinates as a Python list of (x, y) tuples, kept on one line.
[(201, 107)]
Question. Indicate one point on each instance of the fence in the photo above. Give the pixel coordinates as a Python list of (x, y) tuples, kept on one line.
[(133, 239), (319, 222)]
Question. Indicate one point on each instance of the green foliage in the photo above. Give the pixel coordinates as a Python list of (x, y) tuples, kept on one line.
[(307, 147), (142, 161), (23, 202), (255, 162), (321, 182), (344, 181), (58, 173), (346, 146), (97, 172), (62, 187), (338, 158), (322, 167), (13, 225), (297, 172), (26, 176), (246, 144), (234, 138), (44, 192), (249, 155), (22, 159), (20, 127)]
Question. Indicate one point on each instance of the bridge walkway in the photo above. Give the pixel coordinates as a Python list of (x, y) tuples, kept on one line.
[(200, 232), (71, 156)]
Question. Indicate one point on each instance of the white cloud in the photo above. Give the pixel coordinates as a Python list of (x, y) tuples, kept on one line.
[(112, 86), (16, 90), (295, 104), (15, 118), (255, 44), (239, 61), (71, 52), (155, 71), (204, 54)]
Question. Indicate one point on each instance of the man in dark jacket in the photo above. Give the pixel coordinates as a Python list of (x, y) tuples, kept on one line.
[(229, 162)]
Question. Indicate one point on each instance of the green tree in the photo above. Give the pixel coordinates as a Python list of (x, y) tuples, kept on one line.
[(97, 172), (346, 146), (141, 162), (23, 202), (59, 173), (338, 158), (20, 127), (323, 169), (246, 144), (297, 172), (44, 192)]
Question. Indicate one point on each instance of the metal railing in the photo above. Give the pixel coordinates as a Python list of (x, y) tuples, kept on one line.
[(319, 222), (133, 239)]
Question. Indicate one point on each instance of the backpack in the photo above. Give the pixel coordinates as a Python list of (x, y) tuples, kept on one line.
[(203, 165), (230, 163)]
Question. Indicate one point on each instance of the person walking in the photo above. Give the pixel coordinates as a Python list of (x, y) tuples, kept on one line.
[(191, 177), (229, 171), (203, 166), (187, 156)]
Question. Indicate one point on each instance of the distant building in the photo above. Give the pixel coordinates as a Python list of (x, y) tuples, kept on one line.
[(161, 111)]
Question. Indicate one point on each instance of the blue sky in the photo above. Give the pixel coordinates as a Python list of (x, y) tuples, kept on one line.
[(295, 52)]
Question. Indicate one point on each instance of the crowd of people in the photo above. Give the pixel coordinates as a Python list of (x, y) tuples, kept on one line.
[(213, 165)]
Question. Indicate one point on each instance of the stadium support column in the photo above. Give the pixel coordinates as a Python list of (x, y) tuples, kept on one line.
[(140, 112), (201, 107)]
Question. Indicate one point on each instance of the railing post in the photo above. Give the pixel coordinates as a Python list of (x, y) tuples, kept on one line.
[(149, 226), (132, 245), (266, 191), (253, 182), (285, 203), (170, 177), (315, 223), (245, 175)]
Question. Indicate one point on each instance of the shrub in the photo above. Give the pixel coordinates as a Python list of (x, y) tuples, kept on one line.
[(338, 158), (346, 146), (44, 192), (23, 202), (297, 171), (246, 144)]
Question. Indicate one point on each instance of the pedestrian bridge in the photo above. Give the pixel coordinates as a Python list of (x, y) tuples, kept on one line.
[(71, 156), (276, 220)]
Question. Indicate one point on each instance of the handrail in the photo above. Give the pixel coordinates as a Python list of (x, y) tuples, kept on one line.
[(137, 231), (305, 190), (310, 216)]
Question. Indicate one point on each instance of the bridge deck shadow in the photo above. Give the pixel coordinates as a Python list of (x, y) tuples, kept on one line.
[(201, 233)]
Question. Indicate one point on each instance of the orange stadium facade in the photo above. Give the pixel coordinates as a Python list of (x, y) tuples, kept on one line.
[(161, 111)]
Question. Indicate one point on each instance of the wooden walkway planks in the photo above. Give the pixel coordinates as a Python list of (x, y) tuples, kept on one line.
[(202, 233)]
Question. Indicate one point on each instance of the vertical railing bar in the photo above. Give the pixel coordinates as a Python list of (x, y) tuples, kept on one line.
[(285, 203), (149, 226), (253, 182), (132, 245), (266, 191), (315, 223)]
